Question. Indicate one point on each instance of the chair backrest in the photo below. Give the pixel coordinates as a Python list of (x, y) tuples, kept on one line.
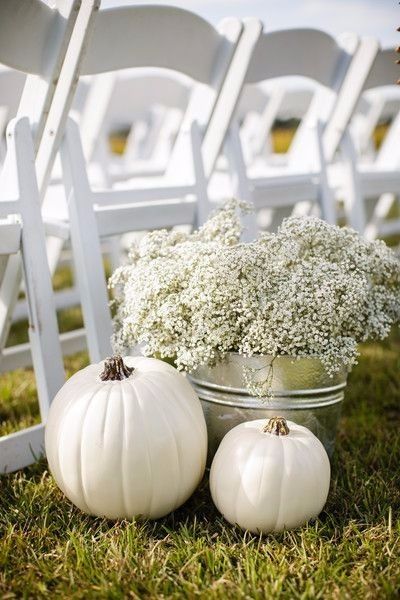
[(125, 37), (307, 53), (132, 36), (133, 94), (29, 28), (384, 70), (296, 101), (22, 232), (190, 46)]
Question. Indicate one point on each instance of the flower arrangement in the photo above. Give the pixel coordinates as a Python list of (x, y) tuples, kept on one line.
[(309, 290)]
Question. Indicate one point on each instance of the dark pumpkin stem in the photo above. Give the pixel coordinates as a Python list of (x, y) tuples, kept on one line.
[(115, 369), (276, 426)]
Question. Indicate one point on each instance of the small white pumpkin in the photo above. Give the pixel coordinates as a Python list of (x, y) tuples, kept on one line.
[(127, 438), (270, 477)]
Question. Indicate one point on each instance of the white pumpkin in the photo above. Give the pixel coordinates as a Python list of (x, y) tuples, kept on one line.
[(270, 477), (127, 438)]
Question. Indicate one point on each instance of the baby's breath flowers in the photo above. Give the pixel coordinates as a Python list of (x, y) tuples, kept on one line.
[(311, 289)]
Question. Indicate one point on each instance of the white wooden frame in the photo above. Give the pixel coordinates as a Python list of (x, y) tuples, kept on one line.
[(97, 214), (48, 44), (381, 179), (22, 234), (339, 68)]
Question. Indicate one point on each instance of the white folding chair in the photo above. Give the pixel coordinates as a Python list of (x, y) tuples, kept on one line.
[(369, 188), (47, 43), (340, 69), (116, 30), (124, 38), (22, 234)]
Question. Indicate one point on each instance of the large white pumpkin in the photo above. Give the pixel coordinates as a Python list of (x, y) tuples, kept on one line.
[(270, 477), (127, 438)]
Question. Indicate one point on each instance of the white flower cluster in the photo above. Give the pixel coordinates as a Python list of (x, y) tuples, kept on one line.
[(311, 289)]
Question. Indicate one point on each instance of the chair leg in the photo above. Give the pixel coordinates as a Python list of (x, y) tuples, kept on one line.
[(353, 201), (326, 196), (240, 182)]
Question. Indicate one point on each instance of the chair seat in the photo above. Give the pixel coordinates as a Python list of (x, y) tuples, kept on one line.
[(156, 214), (152, 181), (138, 168)]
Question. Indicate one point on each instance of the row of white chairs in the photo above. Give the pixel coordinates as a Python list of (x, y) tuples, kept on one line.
[(114, 100), (125, 99), (119, 38), (220, 63)]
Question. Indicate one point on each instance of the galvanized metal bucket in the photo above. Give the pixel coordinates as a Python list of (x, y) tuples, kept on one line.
[(302, 392)]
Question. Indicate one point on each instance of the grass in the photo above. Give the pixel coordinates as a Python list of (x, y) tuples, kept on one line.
[(282, 138), (49, 549)]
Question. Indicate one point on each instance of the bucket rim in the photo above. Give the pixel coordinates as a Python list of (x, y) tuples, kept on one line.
[(281, 402)]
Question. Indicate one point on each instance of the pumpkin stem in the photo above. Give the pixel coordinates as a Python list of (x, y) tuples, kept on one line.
[(276, 426), (115, 369)]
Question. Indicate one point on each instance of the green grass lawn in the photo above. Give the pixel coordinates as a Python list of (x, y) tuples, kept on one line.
[(50, 549)]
